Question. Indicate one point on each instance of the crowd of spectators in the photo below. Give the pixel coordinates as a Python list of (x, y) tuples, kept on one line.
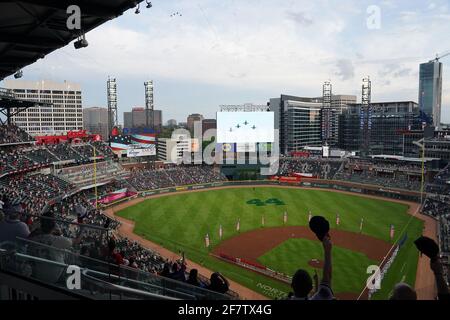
[(317, 167), (151, 179), (398, 179), (83, 175), (32, 191), (376, 172), (366, 171), (10, 133), (13, 158), (437, 205), (441, 182)]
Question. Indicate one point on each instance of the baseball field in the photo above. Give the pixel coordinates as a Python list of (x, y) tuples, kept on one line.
[(273, 232)]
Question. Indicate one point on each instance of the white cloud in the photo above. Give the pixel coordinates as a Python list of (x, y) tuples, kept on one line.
[(267, 45)]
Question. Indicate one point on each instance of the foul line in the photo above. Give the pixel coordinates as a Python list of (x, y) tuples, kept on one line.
[(394, 245)]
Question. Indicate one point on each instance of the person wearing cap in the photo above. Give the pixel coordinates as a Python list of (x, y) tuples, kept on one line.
[(11, 227), (52, 248)]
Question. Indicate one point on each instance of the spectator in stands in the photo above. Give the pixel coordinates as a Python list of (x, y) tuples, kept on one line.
[(11, 227), (132, 263), (442, 287), (114, 255), (403, 291), (218, 283), (178, 272), (165, 271), (49, 234), (53, 248), (302, 283), (193, 278)]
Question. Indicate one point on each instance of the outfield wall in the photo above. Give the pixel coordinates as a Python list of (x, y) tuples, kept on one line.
[(357, 188), (385, 192)]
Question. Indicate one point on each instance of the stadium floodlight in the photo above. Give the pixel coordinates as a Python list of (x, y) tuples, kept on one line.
[(81, 42), (18, 74), (137, 10), (149, 4)]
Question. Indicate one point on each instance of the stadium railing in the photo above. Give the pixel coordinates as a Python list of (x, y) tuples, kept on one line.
[(119, 274), (34, 272)]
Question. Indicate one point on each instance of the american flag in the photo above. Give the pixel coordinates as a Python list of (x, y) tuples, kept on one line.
[(119, 143), (207, 240)]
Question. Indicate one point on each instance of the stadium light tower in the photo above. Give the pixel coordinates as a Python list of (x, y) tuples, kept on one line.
[(112, 104), (326, 113), (366, 114), (149, 105)]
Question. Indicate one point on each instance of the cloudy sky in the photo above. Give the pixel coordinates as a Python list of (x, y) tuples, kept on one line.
[(233, 51)]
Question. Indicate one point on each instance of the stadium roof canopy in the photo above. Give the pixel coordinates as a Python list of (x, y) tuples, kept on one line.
[(31, 29), (11, 106)]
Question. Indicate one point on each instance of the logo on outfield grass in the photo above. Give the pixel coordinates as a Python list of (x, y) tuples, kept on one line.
[(270, 291), (261, 203)]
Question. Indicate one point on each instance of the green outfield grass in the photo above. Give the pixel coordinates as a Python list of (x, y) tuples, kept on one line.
[(180, 223), (349, 267)]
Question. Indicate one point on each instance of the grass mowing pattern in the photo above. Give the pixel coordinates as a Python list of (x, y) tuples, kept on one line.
[(180, 223), (349, 267)]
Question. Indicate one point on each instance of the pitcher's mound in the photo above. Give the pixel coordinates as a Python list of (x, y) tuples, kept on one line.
[(316, 263)]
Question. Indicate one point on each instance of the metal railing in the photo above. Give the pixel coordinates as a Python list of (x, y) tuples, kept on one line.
[(92, 287), (119, 275)]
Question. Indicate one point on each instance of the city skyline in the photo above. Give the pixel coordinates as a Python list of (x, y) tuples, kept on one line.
[(224, 54)]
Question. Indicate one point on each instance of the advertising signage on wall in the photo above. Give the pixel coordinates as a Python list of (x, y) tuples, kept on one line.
[(141, 152)]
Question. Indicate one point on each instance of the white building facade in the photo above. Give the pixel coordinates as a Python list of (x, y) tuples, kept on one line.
[(64, 114)]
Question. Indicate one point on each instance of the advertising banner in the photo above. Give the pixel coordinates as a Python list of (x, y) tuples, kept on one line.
[(141, 152)]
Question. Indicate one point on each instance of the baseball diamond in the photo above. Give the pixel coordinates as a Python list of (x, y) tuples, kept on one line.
[(266, 227)]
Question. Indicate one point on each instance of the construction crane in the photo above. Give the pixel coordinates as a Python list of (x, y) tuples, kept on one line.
[(438, 57)]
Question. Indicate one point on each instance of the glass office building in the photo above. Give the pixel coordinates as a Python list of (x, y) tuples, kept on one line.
[(390, 120), (298, 120), (430, 91)]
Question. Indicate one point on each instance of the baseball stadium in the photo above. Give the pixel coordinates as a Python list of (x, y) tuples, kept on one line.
[(353, 204)]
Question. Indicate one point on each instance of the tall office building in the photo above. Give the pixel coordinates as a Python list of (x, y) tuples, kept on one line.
[(389, 123), (341, 102), (430, 91), (95, 121), (192, 118), (63, 115), (338, 105), (208, 124), (136, 118), (298, 121), (172, 123), (173, 149)]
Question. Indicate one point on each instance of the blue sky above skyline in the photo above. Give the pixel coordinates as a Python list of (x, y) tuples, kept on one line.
[(233, 52)]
